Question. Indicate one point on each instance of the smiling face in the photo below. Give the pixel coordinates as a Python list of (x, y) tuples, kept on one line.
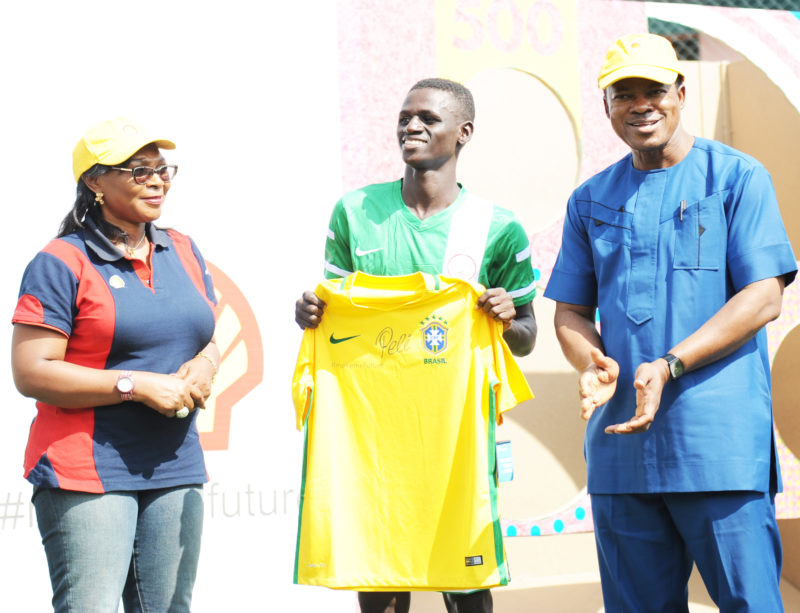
[(128, 204), (646, 116), (431, 128)]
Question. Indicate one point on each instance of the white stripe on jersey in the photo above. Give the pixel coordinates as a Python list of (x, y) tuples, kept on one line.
[(522, 291), (466, 241), (331, 235), (524, 254), (336, 270)]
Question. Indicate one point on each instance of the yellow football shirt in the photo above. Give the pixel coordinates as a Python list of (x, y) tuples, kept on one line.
[(400, 388)]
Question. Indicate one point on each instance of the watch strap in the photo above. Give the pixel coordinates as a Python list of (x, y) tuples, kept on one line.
[(674, 364), (126, 395)]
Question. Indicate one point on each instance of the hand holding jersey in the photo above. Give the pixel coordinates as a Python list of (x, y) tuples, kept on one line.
[(308, 310), (432, 378), (428, 222), (496, 302)]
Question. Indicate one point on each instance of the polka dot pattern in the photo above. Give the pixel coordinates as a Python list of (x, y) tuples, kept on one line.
[(574, 518)]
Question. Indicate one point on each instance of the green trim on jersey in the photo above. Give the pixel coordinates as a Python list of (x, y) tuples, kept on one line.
[(499, 552), (373, 231), (302, 493), (445, 373)]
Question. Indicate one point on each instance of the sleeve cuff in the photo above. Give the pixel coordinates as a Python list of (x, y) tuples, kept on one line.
[(770, 261), (572, 288)]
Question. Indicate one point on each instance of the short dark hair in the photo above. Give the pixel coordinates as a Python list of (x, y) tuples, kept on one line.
[(462, 95)]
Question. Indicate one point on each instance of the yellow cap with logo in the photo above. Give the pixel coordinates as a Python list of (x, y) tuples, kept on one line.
[(647, 56), (112, 142)]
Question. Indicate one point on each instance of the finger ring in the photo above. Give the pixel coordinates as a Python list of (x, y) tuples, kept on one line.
[(182, 413)]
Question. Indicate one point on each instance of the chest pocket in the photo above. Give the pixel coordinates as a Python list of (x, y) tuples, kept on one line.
[(700, 235), (608, 225)]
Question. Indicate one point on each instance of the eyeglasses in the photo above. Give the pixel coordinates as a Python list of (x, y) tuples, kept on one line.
[(141, 174)]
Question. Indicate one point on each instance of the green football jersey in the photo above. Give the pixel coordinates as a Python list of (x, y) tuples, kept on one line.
[(373, 231)]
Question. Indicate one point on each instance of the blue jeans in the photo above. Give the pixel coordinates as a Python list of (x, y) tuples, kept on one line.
[(138, 546)]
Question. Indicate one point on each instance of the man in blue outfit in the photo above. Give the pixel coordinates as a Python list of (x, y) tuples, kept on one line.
[(681, 248)]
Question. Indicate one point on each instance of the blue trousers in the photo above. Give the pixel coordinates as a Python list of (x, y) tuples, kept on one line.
[(141, 547), (646, 544)]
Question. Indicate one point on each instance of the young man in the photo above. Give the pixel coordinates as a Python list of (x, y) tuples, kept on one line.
[(427, 222), (681, 247)]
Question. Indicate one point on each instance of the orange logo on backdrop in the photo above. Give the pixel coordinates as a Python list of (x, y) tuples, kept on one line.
[(241, 367)]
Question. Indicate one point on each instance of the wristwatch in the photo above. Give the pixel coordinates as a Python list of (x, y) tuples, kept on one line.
[(675, 365), (126, 385)]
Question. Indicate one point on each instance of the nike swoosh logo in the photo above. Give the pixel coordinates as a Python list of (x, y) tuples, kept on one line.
[(343, 339), (360, 252)]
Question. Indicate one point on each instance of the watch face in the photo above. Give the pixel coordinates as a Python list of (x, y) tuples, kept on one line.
[(124, 385), (676, 368)]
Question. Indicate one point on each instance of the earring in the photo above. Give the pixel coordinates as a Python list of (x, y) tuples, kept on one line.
[(98, 198)]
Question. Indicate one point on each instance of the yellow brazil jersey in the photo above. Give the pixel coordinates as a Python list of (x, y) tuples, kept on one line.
[(400, 388)]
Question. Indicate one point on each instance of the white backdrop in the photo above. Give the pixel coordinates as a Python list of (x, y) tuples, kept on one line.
[(249, 92)]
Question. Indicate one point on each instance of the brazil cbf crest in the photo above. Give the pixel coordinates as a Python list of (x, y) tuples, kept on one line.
[(434, 334)]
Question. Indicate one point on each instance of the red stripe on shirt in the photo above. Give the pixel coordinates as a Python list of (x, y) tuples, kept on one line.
[(65, 435), (183, 247)]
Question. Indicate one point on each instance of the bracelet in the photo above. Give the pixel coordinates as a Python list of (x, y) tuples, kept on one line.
[(200, 354)]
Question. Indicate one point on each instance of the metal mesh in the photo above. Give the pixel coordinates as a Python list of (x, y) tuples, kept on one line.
[(685, 40), (780, 5)]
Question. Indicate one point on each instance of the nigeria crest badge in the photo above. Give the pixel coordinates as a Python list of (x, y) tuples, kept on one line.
[(434, 334)]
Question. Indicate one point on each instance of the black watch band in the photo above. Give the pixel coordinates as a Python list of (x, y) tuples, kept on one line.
[(675, 365)]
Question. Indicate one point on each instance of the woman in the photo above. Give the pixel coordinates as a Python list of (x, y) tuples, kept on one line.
[(113, 336)]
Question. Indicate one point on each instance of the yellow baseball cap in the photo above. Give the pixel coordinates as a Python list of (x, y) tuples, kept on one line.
[(646, 56), (111, 142)]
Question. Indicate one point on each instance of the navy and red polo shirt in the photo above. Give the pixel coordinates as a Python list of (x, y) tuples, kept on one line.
[(118, 313)]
